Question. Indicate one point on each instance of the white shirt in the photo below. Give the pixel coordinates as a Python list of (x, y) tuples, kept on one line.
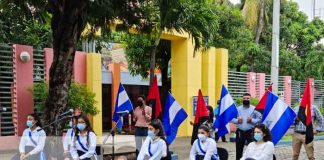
[(38, 135), (90, 146), (209, 146), (68, 139), (158, 149), (262, 151)]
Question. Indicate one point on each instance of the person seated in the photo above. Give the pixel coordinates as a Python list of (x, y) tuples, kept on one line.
[(154, 146), (204, 148), (262, 148)]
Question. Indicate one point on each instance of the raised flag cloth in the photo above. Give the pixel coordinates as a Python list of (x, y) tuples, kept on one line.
[(154, 99), (277, 116), (227, 111), (305, 113), (123, 105), (201, 116), (260, 106), (173, 116)]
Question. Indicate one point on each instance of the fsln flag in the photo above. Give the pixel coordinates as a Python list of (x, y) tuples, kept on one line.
[(277, 116), (227, 111), (173, 116), (201, 116), (123, 105), (261, 105), (154, 99), (305, 113)]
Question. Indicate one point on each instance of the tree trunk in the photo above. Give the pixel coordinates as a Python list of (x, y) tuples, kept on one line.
[(152, 59), (260, 23), (68, 22)]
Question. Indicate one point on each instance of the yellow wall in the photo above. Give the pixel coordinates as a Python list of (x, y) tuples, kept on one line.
[(221, 70), (206, 71), (94, 84)]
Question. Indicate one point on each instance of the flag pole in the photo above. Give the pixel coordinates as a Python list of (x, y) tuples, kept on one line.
[(275, 45)]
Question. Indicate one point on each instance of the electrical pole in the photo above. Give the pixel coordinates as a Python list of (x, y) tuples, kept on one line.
[(275, 45)]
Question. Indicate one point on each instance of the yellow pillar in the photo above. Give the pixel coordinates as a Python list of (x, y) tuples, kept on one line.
[(186, 78), (208, 71), (221, 69), (94, 85)]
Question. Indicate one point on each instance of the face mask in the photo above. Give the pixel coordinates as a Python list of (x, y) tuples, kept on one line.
[(150, 134), (258, 136), (202, 137), (139, 103), (29, 123), (81, 126), (246, 102), (71, 124)]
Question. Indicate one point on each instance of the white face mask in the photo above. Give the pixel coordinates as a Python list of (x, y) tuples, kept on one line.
[(202, 137)]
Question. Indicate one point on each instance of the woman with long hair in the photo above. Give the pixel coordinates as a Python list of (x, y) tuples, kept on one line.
[(155, 146), (205, 147), (85, 140), (69, 136), (33, 139), (262, 148)]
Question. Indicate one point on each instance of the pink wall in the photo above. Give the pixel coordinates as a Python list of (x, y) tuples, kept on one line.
[(287, 89), (23, 79), (251, 80), (261, 81), (79, 67), (48, 58)]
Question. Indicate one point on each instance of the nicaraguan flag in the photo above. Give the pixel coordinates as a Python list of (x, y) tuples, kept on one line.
[(277, 116), (227, 111), (173, 116), (123, 105)]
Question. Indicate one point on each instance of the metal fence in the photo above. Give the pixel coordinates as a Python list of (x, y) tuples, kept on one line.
[(237, 84), (6, 81), (39, 66)]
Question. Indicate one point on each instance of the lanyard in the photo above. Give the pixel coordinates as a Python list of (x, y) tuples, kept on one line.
[(149, 149), (82, 146), (31, 139)]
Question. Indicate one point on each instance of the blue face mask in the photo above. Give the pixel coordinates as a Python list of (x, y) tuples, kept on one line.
[(29, 123), (81, 127), (258, 136), (150, 133)]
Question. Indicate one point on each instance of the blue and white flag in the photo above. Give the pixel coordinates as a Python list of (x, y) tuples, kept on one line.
[(227, 111), (277, 116), (173, 116), (123, 106)]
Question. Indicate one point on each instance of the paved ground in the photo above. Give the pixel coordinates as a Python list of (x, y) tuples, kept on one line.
[(181, 146)]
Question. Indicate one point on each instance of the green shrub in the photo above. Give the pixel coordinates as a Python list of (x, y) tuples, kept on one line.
[(79, 97)]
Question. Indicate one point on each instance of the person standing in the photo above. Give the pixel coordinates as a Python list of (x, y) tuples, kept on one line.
[(247, 118), (32, 142), (298, 138), (142, 117)]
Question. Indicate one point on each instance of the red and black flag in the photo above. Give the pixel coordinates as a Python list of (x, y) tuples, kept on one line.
[(154, 99), (261, 105), (305, 113), (201, 116)]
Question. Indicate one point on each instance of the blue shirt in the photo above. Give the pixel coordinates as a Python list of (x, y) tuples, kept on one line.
[(245, 113)]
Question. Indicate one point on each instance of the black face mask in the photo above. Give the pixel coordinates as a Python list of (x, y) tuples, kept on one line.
[(246, 102), (139, 103)]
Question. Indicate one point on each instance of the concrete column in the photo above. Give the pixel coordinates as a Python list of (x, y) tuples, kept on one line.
[(186, 78), (221, 70), (115, 71), (208, 71), (261, 81), (287, 89), (94, 84), (23, 103), (80, 67), (251, 80)]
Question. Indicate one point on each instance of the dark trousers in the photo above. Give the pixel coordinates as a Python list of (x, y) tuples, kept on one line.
[(217, 137), (140, 135), (80, 153), (241, 138)]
